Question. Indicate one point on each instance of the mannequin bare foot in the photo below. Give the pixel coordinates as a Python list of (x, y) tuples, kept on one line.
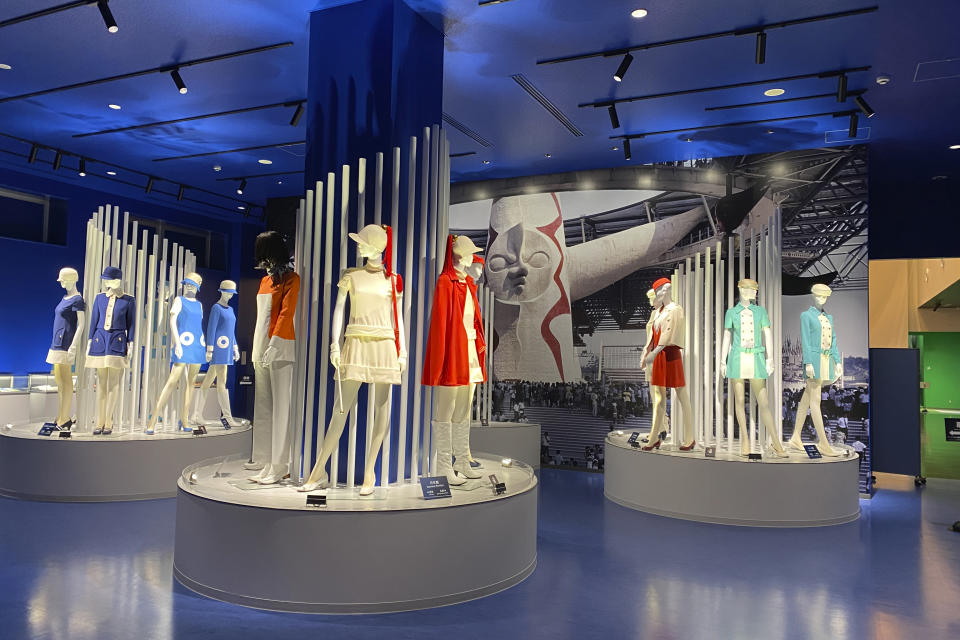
[(796, 444), (322, 482), (366, 489)]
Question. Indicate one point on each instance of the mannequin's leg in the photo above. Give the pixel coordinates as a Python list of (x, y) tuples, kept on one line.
[(473, 389), (738, 403), (101, 399), (659, 410), (64, 380), (759, 388), (113, 389), (687, 436), (281, 381), (262, 419), (460, 430), (803, 406), (223, 396), (445, 402), (813, 390), (192, 371), (176, 372), (318, 476), (196, 416), (381, 422)]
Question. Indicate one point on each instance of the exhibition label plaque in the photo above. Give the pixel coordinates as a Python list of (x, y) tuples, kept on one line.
[(953, 429), (632, 441), (434, 487), (710, 452), (812, 451), (47, 429)]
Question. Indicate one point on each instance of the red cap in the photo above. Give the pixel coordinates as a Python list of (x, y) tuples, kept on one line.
[(659, 283)]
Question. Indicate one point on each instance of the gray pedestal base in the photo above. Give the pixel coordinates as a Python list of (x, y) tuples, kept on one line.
[(792, 492), (517, 440)]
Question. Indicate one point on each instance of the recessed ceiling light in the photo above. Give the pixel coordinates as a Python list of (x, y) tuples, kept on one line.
[(241, 207), (689, 139), (939, 178), (265, 161), (279, 181), (614, 148), (111, 173), (771, 93), (115, 107), (955, 146), (769, 130), (5, 67), (638, 13), (547, 155), (486, 162), (217, 167)]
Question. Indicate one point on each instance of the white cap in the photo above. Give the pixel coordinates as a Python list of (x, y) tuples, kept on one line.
[(463, 245), (68, 273), (371, 235)]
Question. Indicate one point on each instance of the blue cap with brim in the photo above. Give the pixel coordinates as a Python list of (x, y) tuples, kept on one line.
[(112, 273)]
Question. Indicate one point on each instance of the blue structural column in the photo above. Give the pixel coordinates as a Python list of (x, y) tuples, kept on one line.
[(375, 80)]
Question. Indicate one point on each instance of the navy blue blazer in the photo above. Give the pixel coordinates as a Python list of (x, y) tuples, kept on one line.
[(112, 341)]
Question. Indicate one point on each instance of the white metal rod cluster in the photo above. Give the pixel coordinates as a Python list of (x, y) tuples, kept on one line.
[(419, 242), (148, 277), (705, 286)]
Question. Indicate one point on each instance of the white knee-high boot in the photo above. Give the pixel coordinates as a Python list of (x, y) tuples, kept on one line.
[(461, 450), (442, 437)]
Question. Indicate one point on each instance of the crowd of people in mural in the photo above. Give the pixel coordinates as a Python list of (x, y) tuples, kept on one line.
[(614, 401)]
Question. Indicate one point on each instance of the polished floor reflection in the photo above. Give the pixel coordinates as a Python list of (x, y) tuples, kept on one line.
[(103, 571)]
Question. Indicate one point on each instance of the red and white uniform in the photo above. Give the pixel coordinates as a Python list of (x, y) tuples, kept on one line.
[(668, 331), (276, 306)]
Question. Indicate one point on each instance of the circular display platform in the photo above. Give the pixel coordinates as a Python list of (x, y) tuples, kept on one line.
[(779, 492), (264, 547), (517, 440), (121, 466)]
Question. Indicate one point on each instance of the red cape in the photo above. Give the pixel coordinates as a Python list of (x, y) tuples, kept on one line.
[(446, 362)]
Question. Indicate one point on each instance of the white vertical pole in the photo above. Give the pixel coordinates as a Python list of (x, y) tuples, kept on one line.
[(323, 359), (150, 292), (752, 398), (731, 269), (395, 226), (718, 343), (412, 349), (344, 228), (421, 418), (312, 361), (362, 222), (433, 271), (114, 237), (696, 356), (488, 335), (706, 326), (778, 324), (298, 406)]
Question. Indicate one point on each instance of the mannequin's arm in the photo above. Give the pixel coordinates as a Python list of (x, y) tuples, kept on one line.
[(725, 351), (77, 337), (336, 328), (653, 354), (211, 336), (131, 325), (835, 352), (646, 345), (809, 351), (403, 333), (94, 319), (174, 336), (768, 348)]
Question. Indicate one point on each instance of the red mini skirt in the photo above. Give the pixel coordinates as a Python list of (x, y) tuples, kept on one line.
[(667, 366)]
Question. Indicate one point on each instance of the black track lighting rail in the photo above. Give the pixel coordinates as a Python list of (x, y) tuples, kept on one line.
[(634, 136), (276, 145), (832, 94), (218, 114), (463, 154), (736, 85), (167, 68), (761, 28), (58, 161), (259, 175), (46, 12)]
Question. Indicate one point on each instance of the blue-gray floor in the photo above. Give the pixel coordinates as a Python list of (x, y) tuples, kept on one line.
[(103, 571)]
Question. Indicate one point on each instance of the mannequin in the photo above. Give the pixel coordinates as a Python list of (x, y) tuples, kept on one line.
[(112, 323), (186, 335), (273, 354), (222, 352), (747, 337), (454, 359), (658, 395), (374, 350), (821, 366), (68, 319), (665, 356)]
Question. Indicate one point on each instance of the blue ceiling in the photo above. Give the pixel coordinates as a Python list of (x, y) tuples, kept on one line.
[(486, 45)]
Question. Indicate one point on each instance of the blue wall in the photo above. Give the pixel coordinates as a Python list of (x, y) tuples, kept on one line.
[(30, 289)]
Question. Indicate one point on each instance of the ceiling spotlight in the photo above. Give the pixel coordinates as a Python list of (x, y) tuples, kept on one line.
[(107, 16), (939, 178), (867, 111), (883, 79), (111, 173), (547, 155), (772, 93), (177, 80), (115, 107), (626, 149), (769, 130), (34, 150), (689, 139), (295, 120), (180, 192), (486, 162), (241, 207), (5, 67), (761, 54), (217, 167), (82, 171), (243, 185), (614, 148), (842, 88), (264, 161), (279, 181), (622, 69), (854, 119), (955, 146), (149, 186), (639, 13), (614, 118), (57, 160)]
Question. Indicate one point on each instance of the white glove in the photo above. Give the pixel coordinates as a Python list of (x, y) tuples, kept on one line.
[(335, 357), (236, 353), (209, 353), (403, 363), (269, 355), (177, 349), (808, 370), (723, 369), (72, 352), (769, 367)]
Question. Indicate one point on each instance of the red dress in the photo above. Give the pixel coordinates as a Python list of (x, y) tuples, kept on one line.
[(667, 366)]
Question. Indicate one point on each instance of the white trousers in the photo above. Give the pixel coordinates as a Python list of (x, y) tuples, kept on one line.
[(271, 413)]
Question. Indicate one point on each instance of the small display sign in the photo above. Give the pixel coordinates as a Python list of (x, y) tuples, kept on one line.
[(434, 487), (710, 452), (47, 429), (812, 451), (633, 437), (953, 429)]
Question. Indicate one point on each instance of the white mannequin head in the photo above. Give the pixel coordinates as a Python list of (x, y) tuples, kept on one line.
[(820, 294), (228, 289), (664, 291), (748, 290), (652, 297), (112, 279), (191, 284), (371, 242), (463, 252), (68, 278), (475, 269), (112, 285)]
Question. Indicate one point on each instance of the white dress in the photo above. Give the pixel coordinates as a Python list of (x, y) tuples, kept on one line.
[(369, 351), (476, 373)]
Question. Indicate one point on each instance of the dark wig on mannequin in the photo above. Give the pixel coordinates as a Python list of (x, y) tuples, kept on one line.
[(271, 253)]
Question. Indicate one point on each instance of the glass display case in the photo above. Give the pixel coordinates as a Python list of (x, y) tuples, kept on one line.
[(10, 383), (43, 383)]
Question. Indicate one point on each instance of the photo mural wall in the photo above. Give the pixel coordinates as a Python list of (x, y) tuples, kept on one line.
[(570, 259)]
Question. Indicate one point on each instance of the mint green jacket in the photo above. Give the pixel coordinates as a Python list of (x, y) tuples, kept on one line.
[(810, 343), (731, 320)]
